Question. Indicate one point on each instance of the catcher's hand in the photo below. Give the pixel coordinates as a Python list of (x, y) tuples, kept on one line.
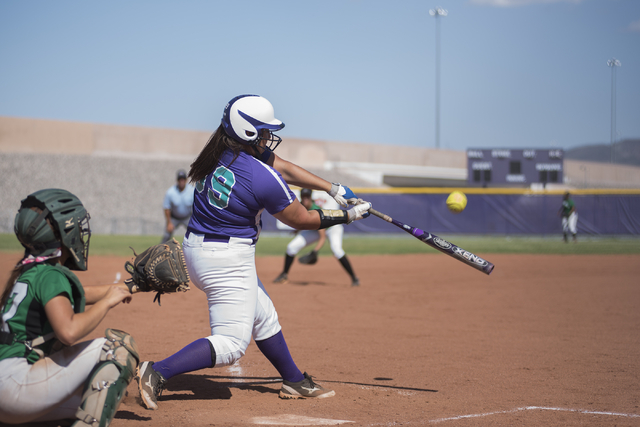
[(310, 258), (160, 269)]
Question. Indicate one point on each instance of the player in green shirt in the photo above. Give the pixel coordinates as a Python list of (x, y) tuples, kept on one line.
[(46, 374), (569, 217)]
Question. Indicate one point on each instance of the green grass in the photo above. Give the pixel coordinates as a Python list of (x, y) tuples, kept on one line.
[(386, 244), (398, 244)]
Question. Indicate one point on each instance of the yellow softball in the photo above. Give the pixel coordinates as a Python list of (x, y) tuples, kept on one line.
[(457, 201)]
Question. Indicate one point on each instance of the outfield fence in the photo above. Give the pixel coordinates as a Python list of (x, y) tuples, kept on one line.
[(498, 211)]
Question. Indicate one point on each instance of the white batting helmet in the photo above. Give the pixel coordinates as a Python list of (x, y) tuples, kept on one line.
[(246, 115)]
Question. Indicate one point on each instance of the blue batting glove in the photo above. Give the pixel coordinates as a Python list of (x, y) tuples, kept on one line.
[(341, 194)]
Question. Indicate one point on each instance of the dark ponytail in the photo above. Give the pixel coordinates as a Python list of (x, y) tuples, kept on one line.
[(210, 155)]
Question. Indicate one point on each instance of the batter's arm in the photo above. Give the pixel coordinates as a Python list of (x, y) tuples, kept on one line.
[(297, 216), (296, 175)]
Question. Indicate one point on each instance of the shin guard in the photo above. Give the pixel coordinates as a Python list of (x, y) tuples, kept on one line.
[(107, 384)]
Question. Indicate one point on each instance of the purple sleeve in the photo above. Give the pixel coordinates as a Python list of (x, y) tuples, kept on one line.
[(270, 189)]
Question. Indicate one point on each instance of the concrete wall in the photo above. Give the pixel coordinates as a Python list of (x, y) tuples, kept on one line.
[(20, 135), (583, 174)]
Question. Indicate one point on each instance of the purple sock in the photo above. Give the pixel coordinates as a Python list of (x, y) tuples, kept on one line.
[(197, 355), (275, 349)]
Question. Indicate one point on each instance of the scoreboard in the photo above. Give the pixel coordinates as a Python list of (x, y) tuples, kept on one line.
[(514, 168)]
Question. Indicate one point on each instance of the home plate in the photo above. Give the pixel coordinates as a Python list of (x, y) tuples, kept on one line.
[(296, 420)]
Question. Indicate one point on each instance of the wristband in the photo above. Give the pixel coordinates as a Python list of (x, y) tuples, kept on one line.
[(329, 217)]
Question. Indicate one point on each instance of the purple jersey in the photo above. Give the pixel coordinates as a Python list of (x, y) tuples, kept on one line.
[(230, 200)]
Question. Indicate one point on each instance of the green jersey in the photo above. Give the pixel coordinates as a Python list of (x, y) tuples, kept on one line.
[(567, 207), (24, 317)]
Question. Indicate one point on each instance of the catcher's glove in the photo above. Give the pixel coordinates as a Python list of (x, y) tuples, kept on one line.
[(160, 269), (309, 259)]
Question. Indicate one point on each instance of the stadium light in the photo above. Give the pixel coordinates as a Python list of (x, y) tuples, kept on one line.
[(613, 63), (437, 13)]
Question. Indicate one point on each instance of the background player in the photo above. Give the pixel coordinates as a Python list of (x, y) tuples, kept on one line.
[(306, 237), (569, 217), (177, 205), (45, 374), (237, 175)]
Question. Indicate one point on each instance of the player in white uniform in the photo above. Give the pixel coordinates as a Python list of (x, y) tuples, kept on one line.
[(306, 237), (237, 176)]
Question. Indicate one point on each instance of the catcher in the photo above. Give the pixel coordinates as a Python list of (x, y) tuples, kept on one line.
[(160, 269), (46, 372), (307, 237)]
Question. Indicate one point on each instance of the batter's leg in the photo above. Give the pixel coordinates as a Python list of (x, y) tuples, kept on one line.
[(268, 336)]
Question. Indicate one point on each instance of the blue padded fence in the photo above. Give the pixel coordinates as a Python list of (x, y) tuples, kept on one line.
[(526, 213)]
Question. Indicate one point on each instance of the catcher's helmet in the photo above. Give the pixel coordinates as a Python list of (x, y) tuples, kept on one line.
[(51, 218), (246, 115)]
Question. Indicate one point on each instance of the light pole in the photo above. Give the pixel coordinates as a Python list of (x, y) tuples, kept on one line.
[(613, 63), (438, 12)]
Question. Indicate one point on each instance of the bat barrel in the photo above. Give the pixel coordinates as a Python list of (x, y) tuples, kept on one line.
[(440, 244)]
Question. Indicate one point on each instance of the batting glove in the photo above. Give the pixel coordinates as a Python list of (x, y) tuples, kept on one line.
[(359, 211), (341, 194)]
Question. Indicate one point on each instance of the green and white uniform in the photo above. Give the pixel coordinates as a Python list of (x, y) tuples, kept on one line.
[(23, 316), (569, 217), (29, 373)]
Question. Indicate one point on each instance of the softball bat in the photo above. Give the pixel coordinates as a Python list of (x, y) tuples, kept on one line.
[(440, 244)]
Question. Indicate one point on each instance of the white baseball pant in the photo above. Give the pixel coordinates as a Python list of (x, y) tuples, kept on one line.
[(51, 388), (570, 223), (306, 237), (239, 306)]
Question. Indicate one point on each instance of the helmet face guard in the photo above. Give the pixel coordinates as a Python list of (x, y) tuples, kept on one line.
[(247, 117), (51, 218), (76, 239)]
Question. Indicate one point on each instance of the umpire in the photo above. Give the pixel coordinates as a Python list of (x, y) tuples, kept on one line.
[(177, 205)]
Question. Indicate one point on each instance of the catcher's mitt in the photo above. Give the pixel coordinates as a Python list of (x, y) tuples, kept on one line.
[(160, 269), (309, 259)]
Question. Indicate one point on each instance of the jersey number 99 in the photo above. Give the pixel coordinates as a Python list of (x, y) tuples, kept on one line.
[(222, 182)]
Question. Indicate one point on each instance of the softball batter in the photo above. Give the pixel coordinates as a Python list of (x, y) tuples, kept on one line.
[(45, 375), (237, 176)]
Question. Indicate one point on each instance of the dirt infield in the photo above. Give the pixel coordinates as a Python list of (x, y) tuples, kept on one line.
[(425, 340)]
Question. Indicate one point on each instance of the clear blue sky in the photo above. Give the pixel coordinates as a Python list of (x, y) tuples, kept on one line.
[(514, 73)]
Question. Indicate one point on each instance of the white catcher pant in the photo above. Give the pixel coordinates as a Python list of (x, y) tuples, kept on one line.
[(570, 223), (306, 237), (239, 306), (51, 388)]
